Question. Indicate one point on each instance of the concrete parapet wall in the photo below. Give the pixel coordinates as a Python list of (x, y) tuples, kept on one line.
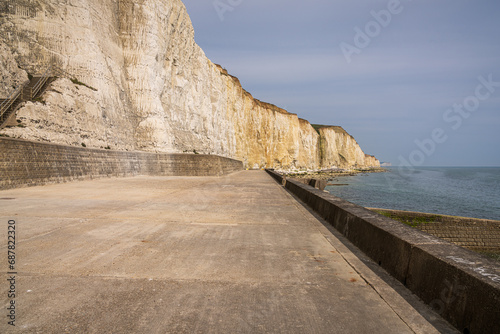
[(315, 183), (27, 163), (471, 233), (462, 286)]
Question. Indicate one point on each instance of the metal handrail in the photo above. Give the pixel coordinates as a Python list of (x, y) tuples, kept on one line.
[(52, 70), (41, 82), (5, 105)]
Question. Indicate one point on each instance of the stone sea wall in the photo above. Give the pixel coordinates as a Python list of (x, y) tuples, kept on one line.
[(27, 163), (155, 90), (470, 233)]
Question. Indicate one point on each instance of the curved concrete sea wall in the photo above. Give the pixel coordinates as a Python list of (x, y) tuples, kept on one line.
[(26, 163), (471, 233), (462, 286)]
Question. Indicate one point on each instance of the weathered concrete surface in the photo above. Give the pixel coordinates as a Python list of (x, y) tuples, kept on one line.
[(235, 254), (461, 285)]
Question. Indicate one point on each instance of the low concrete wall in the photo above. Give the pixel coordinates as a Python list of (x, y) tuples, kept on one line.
[(463, 287), (471, 233), (27, 163), (315, 183)]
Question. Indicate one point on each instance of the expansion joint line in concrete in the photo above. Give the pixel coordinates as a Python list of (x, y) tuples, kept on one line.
[(20, 241), (301, 208), (408, 266), (372, 286), (150, 201)]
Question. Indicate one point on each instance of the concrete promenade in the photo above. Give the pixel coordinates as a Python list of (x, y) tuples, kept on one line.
[(232, 254)]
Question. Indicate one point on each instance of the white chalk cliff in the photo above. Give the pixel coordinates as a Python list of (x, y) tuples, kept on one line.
[(155, 88)]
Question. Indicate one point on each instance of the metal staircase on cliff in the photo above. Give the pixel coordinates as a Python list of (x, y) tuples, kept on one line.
[(27, 92)]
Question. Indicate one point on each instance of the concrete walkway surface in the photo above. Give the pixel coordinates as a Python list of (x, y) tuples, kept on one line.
[(235, 254)]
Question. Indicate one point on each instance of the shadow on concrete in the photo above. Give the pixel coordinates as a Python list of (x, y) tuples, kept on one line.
[(425, 311)]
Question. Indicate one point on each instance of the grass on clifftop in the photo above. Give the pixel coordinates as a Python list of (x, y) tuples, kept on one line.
[(317, 127)]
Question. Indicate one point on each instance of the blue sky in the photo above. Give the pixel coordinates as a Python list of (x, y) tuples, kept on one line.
[(415, 82)]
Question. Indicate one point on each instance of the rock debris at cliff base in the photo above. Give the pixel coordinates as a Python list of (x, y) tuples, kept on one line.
[(332, 173)]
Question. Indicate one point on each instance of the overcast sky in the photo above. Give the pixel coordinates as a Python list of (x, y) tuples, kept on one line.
[(415, 82)]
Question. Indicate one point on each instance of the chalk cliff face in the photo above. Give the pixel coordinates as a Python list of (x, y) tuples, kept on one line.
[(155, 88)]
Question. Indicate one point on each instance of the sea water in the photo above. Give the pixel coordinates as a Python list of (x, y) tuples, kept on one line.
[(457, 191)]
